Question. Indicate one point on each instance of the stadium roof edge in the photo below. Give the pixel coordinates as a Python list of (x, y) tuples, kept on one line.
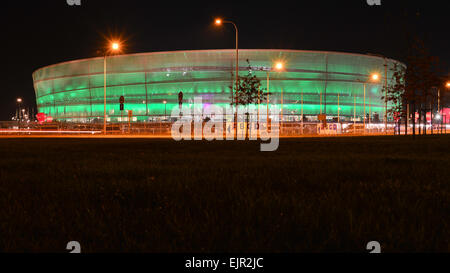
[(218, 50)]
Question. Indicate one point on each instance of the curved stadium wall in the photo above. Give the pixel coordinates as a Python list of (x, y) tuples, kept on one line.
[(73, 91)]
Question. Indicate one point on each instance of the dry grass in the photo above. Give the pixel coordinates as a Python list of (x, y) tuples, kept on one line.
[(312, 195)]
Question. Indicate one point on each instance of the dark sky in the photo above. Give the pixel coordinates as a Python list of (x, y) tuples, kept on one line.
[(40, 33)]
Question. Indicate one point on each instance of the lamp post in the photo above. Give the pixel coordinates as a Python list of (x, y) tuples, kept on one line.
[(19, 106), (443, 117), (115, 47), (385, 87), (374, 78), (219, 22), (447, 85), (279, 66), (23, 116)]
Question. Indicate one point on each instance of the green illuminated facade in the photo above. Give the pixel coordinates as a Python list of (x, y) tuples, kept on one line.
[(74, 91)]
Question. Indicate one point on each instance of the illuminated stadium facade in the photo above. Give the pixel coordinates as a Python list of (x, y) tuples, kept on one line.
[(313, 82)]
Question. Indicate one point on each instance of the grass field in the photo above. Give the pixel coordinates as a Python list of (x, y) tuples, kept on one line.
[(312, 195)]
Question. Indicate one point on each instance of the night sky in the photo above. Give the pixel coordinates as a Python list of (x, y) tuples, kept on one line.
[(40, 33)]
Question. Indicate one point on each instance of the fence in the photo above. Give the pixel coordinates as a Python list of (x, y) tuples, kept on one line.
[(163, 128)]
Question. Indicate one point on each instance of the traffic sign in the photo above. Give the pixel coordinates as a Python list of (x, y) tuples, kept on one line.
[(122, 100)]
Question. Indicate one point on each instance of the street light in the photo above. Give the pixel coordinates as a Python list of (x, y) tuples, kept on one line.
[(374, 78), (220, 22), (114, 47), (385, 87), (19, 106), (447, 85), (278, 67)]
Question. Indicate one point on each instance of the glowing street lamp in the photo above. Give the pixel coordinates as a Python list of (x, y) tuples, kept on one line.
[(114, 47), (277, 67), (374, 78), (447, 85), (19, 106), (220, 22)]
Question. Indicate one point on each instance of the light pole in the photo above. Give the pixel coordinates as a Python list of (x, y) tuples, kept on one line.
[(219, 22), (279, 66), (374, 78), (447, 85), (443, 117), (385, 89), (115, 47), (19, 106)]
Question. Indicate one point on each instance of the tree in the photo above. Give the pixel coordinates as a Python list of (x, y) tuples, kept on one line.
[(422, 68), (421, 77), (413, 85), (248, 91), (396, 94)]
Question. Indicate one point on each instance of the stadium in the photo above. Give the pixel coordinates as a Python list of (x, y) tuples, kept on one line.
[(312, 83)]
